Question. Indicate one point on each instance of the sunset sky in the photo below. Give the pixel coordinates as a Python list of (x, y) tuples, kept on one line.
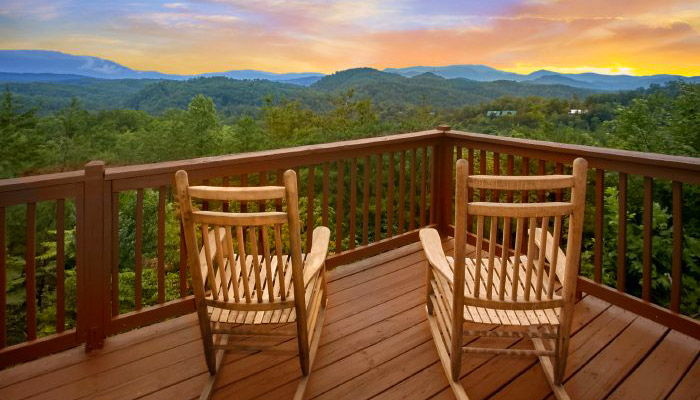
[(195, 36)]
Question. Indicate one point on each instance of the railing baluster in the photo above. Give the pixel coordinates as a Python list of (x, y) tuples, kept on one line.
[(244, 183), (60, 266), (433, 180), (224, 204), (183, 263), (353, 201), (262, 181), (541, 171), (365, 201), (326, 174), (423, 174), (482, 171), (138, 248), (402, 191), (161, 245), (310, 189), (677, 261), (30, 271), (525, 171), (622, 232), (378, 200), (648, 209), (339, 207), (412, 193), (496, 171), (205, 203), (390, 198), (559, 170), (510, 162), (470, 191), (115, 253), (3, 279), (598, 225), (278, 182)]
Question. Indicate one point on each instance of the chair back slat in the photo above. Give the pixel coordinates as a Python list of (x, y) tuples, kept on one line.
[(222, 193), (232, 264), (517, 183), (268, 264), (479, 243), (554, 249), (256, 263), (530, 260), (221, 265), (541, 257), (240, 237), (504, 259), (530, 257), (492, 255), (515, 281), (280, 261), (206, 241), (240, 254)]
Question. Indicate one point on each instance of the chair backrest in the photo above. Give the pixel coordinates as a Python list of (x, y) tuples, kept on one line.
[(230, 241), (538, 233)]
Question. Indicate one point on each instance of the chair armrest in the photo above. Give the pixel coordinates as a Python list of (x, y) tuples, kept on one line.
[(560, 268), (316, 259), (432, 246)]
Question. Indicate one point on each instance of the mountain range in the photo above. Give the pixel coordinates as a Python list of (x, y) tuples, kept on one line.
[(53, 66)]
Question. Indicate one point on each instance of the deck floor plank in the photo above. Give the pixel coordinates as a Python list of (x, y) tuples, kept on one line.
[(582, 348), (375, 344), (667, 363)]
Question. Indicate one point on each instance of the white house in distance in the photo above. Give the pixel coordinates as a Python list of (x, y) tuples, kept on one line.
[(501, 113), (575, 111)]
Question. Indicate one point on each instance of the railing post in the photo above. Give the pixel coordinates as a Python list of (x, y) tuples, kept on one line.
[(443, 179), (95, 280)]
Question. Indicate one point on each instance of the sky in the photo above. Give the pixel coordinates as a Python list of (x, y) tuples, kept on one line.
[(637, 37)]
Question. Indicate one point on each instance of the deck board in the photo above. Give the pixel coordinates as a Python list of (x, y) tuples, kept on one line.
[(375, 344)]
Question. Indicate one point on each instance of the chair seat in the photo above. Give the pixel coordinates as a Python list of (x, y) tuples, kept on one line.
[(278, 316), (545, 316)]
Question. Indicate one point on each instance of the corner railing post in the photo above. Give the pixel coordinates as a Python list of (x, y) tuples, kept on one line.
[(443, 178), (95, 283)]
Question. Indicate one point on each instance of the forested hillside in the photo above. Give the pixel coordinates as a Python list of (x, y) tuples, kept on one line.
[(234, 97)]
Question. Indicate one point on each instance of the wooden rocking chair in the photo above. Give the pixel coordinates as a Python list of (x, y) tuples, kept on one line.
[(243, 294), (514, 287)]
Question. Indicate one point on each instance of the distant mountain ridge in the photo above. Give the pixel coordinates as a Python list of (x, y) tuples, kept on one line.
[(54, 62), (586, 80), (53, 66)]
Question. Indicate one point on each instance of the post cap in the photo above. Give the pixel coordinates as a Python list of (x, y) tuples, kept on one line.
[(443, 127)]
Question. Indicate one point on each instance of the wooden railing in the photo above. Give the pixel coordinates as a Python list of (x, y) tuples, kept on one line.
[(374, 194)]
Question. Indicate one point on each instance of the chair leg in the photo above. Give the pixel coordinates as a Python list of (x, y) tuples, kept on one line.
[(550, 370), (315, 341), (445, 359), (208, 389)]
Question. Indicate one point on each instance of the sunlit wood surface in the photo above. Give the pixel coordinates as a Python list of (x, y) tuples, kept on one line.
[(375, 344)]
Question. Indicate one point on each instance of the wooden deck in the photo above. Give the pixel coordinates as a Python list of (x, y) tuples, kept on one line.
[(375, 344)]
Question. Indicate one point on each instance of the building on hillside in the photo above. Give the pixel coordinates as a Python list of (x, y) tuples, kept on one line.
[(575, 111), (501, 113)]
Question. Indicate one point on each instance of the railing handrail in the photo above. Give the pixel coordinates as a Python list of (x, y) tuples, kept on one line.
[(315, 151), (679, 168), (624, 160), (41, 181)]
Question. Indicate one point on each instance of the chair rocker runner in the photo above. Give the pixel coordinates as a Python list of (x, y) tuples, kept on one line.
[(516, 283), (249, 286)]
